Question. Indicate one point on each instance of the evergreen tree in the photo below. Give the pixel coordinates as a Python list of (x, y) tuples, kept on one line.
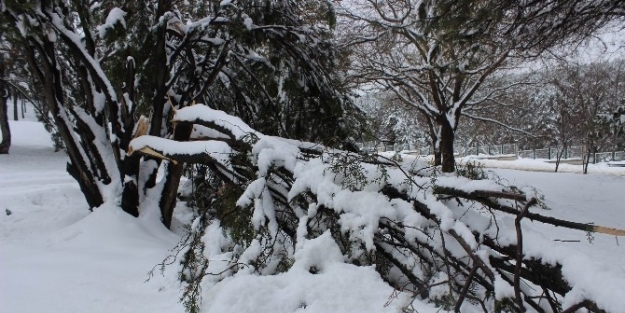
[(104, 64)]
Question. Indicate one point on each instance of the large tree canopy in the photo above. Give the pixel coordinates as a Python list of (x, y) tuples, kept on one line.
[(104, 63), (437, 55)]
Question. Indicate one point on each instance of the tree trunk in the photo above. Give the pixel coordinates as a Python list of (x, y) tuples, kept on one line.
[(131, 163), (78, 166), (559, 154), (437, 157), (5, 144), (586, 160), (15, 110), (130, 192), (448, 160), (434, 138), (172, 178)]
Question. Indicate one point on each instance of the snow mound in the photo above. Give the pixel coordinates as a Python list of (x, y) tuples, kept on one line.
[(318, 281)]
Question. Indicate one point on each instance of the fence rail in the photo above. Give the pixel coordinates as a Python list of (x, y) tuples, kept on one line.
[(551, 153), (574, 152)]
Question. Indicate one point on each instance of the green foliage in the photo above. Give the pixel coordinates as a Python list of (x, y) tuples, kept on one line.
[(284, 265), (213, 198), (20, 4), (293, 89), (350, 173), (507, 305), (238, 221), (471, 170), (445, 302), (382, 179)]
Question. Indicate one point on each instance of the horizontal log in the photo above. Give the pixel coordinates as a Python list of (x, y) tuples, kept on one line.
[(484, 197)]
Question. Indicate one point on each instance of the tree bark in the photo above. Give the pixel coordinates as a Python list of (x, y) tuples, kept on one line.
[(559, 154), (586, 160), (172, 178), (131, 163), (15, 110), (130, 192), (448, 160), (437, 157), (5, 144), (159, 83)]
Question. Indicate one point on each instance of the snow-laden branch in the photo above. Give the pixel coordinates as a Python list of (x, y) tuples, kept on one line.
[(74, 41), (223, 122), (494, 121), (380, 212)]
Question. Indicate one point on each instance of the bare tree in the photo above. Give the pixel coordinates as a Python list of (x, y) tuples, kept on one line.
[(586, 92), (436, 55)]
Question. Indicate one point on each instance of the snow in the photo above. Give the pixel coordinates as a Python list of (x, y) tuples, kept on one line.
[(56, 256), (200, 131), (594, 262), (541, 165), (319, 281), (217, 150), (201, 112), (248, 22), (59, 257), (502, 288), (116, 15)]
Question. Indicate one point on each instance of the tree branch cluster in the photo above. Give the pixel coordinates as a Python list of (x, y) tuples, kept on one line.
[(450, 240)]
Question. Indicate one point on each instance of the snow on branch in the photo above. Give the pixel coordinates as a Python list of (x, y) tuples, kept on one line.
[(219, 120), (115, 16), (432, 236)]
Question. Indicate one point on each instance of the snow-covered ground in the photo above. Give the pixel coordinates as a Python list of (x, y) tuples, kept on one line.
[(56, 256), (542, 165), (593, 259)]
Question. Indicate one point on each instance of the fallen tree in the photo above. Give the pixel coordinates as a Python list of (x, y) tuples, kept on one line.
[(453, 241)]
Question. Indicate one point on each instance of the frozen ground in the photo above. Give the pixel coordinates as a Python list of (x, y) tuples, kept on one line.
[(56, 256)]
